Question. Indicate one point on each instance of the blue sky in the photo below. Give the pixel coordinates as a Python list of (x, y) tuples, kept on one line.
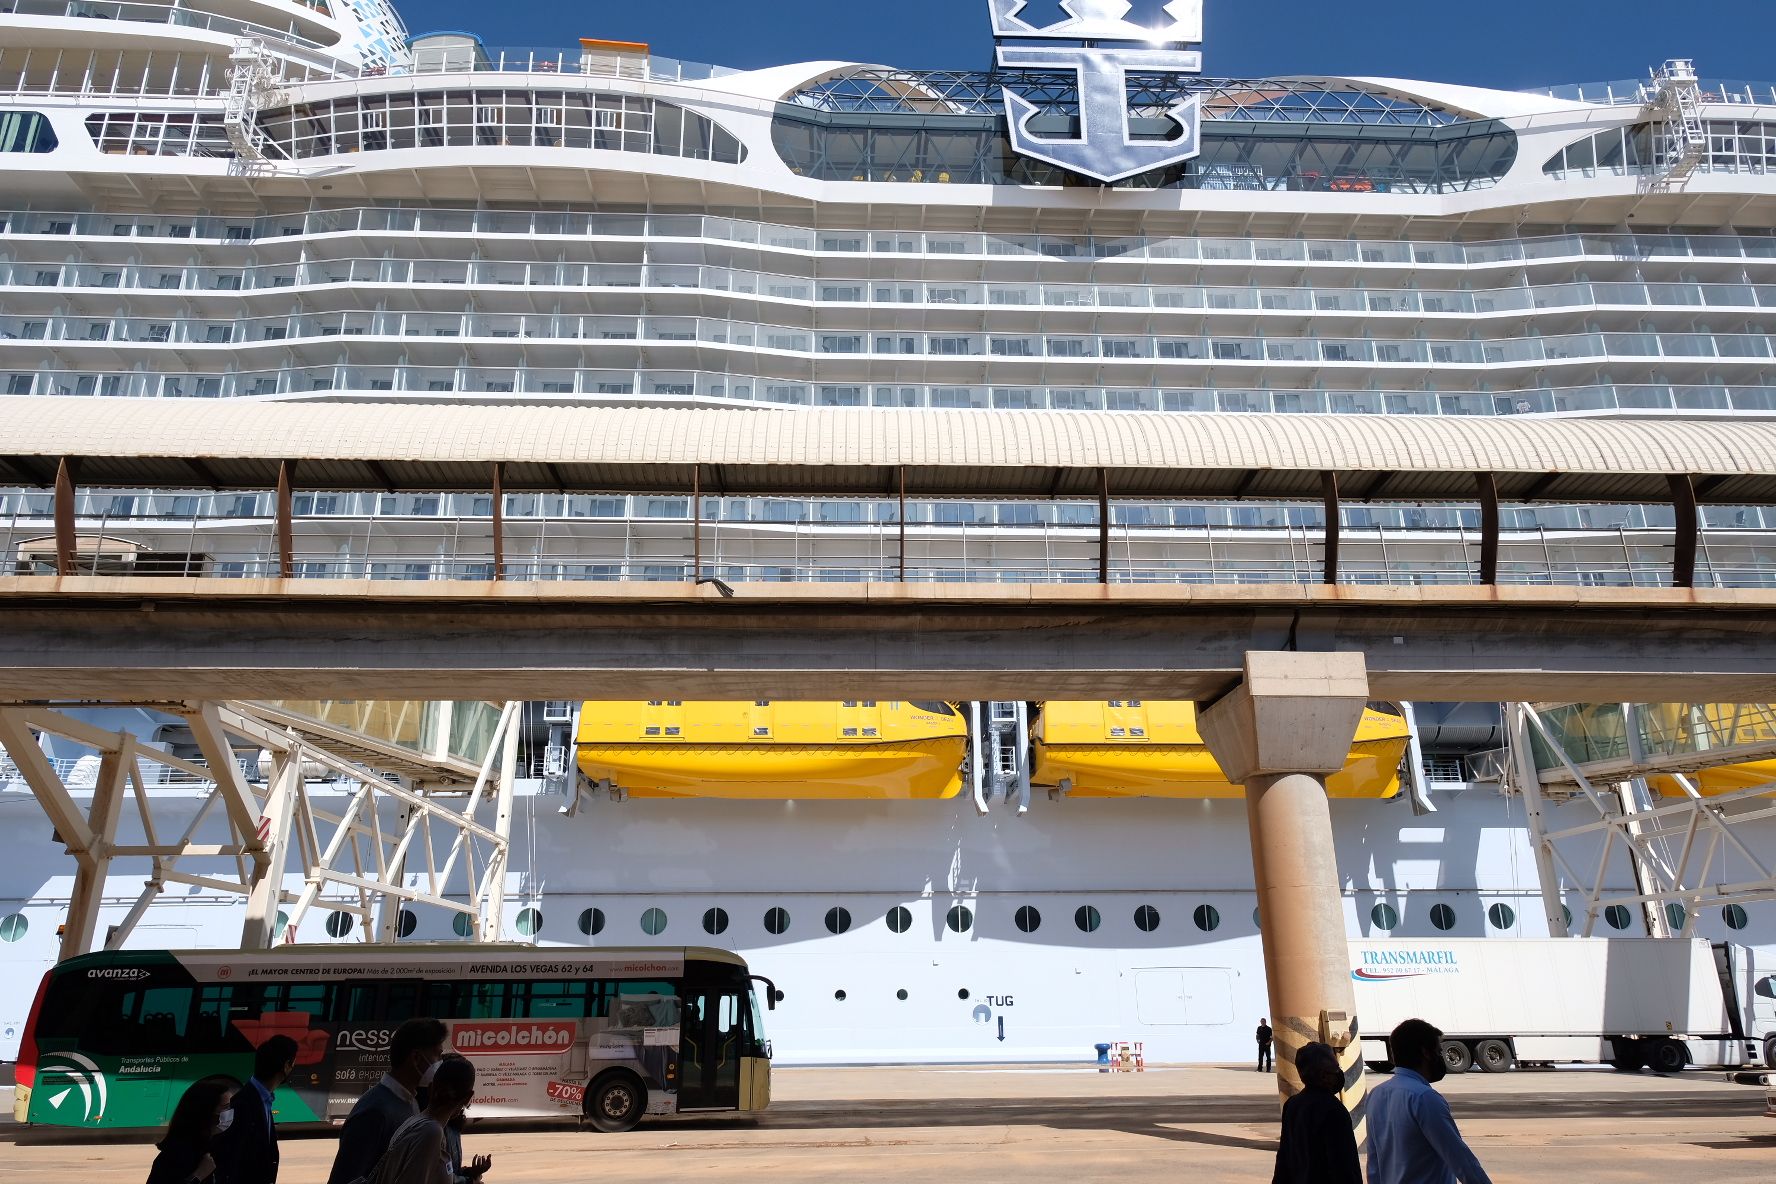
[(1504, 43)]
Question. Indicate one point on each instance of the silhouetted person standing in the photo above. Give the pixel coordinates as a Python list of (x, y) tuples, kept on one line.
[(203, 1113), (247, 1152), (1412, 1135), (1264, 1036), (419, 1153), (1318, 1145), (414, 1052)]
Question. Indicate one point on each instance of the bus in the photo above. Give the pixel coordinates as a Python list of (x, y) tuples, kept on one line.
[(607, 1035)]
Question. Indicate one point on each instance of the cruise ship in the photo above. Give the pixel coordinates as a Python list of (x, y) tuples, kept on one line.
[(301, 201)]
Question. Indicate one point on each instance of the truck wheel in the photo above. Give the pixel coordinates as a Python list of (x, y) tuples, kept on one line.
[(1670, 1056), (616, 1102), (1770, 1052), (1456, 1056), (1494, 1056), (1629, 1056), (1380, 1066)]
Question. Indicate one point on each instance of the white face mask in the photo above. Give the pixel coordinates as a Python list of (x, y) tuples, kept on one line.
[(425, 1079), (224, 1120)]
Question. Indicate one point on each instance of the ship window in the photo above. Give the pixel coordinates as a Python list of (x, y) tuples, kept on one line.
[(1442, 917), (838, 919), (901, 994), (960, 918), (715, 921), (1028, 919), (1617, 916), (406, 923), (1257, 920), (839, 995), (962, 994), (1384, 917), (463, 925), (14, 927), (592, 922), (653, 922), (1501, 916), (776, 920), (1676, 916), (934, 708), (1734, 916), (529, 922), (1207, 918), (25, 131), (1087, 918), (1567, 914), (1146, 918), (900, 919), (339, 924)]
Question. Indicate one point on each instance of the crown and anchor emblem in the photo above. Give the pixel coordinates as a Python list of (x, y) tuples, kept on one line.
[(1105, 148)]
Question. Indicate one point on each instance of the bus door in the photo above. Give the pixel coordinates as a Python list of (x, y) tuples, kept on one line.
[(712, 1041)]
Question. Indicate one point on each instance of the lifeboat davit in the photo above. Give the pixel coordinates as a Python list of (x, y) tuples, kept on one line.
[(769, 749), (1151, 748)]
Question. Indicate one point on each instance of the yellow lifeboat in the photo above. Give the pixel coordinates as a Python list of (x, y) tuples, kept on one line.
[(1747, 727), (860, 750), (1151, 748)]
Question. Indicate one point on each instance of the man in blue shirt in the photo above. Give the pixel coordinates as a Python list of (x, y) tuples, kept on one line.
[(1412, 1135), (247, 1152)]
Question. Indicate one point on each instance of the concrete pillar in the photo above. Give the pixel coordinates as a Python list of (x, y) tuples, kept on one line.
[(1281, 733)]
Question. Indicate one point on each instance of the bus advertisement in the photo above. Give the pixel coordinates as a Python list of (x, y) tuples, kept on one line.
[(607, 1035)]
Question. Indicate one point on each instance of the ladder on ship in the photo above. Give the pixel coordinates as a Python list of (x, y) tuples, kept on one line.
[(1677, 93), (252, 84)]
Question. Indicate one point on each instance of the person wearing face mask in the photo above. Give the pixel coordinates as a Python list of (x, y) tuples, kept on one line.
[(202, 1114), (414, 1052), (420, 1151), (247, 1151), (460, 1173), (1412, 1135)]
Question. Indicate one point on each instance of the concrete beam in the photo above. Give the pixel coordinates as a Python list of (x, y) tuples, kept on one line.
[(145, 639)]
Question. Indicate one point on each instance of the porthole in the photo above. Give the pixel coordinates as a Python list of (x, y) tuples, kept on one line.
[(1566, 912), (283, 923), (1676, 916), (14, 927), (529, 923), (653, 922), (1087, 918), (900, 919), (1257, 919), (1028, 919), (1501, 916), (838, 919), (1146, 918), (839, 995), (592, 922), (339, 924), (1442, 917), (1384, 917), (776, 921), (1206, 918), (1735, 917), (960, 918), (901, 994), (962, 994), (405, 924), (715, 921), (1617, 916), (463, 925)]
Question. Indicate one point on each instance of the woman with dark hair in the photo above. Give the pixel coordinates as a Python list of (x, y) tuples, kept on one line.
[(202, 1114), (419, 1152)]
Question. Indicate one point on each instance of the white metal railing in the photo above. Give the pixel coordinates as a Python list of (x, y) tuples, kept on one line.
[(157, 14), (1259, 252), (1639, 92)]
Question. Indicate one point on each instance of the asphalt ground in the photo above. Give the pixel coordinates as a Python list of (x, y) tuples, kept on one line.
[(1049, 1125)]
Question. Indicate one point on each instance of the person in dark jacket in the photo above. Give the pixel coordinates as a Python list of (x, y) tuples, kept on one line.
[(1318, 1145), (202, 1114), (414, 1052), (1264, 1036), (247, 1152)]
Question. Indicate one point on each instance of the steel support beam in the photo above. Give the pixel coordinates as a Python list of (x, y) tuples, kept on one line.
[(1688, 531), (285, 515), (499, 520), (1103, 526), (266, 888), (1529, 784), (1334, 524), (1487, 485), (65, 512)]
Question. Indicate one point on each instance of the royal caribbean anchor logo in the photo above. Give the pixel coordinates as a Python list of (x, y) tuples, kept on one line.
[(1111, 47)]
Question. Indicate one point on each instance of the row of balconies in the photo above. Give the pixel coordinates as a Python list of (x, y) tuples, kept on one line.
[(566, 383), (772, 236), (405, 274), (175, 15), (530, 334)]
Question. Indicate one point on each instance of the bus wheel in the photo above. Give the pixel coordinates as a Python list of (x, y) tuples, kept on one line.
[(1494, 1056), (616, 1102), (1456, 1057), (1669, 1056)]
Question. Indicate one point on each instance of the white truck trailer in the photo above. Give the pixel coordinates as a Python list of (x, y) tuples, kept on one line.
[(1668, 1003)]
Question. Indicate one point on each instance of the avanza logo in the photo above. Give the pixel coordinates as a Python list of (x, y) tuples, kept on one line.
[(522, 1038), (1386, 966)]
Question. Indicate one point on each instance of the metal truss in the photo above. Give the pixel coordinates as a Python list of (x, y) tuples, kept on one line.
[(355, 861), (882, 90), (1678, 847)]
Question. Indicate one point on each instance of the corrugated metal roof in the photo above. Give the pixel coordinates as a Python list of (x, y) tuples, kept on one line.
[(860, 451)]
